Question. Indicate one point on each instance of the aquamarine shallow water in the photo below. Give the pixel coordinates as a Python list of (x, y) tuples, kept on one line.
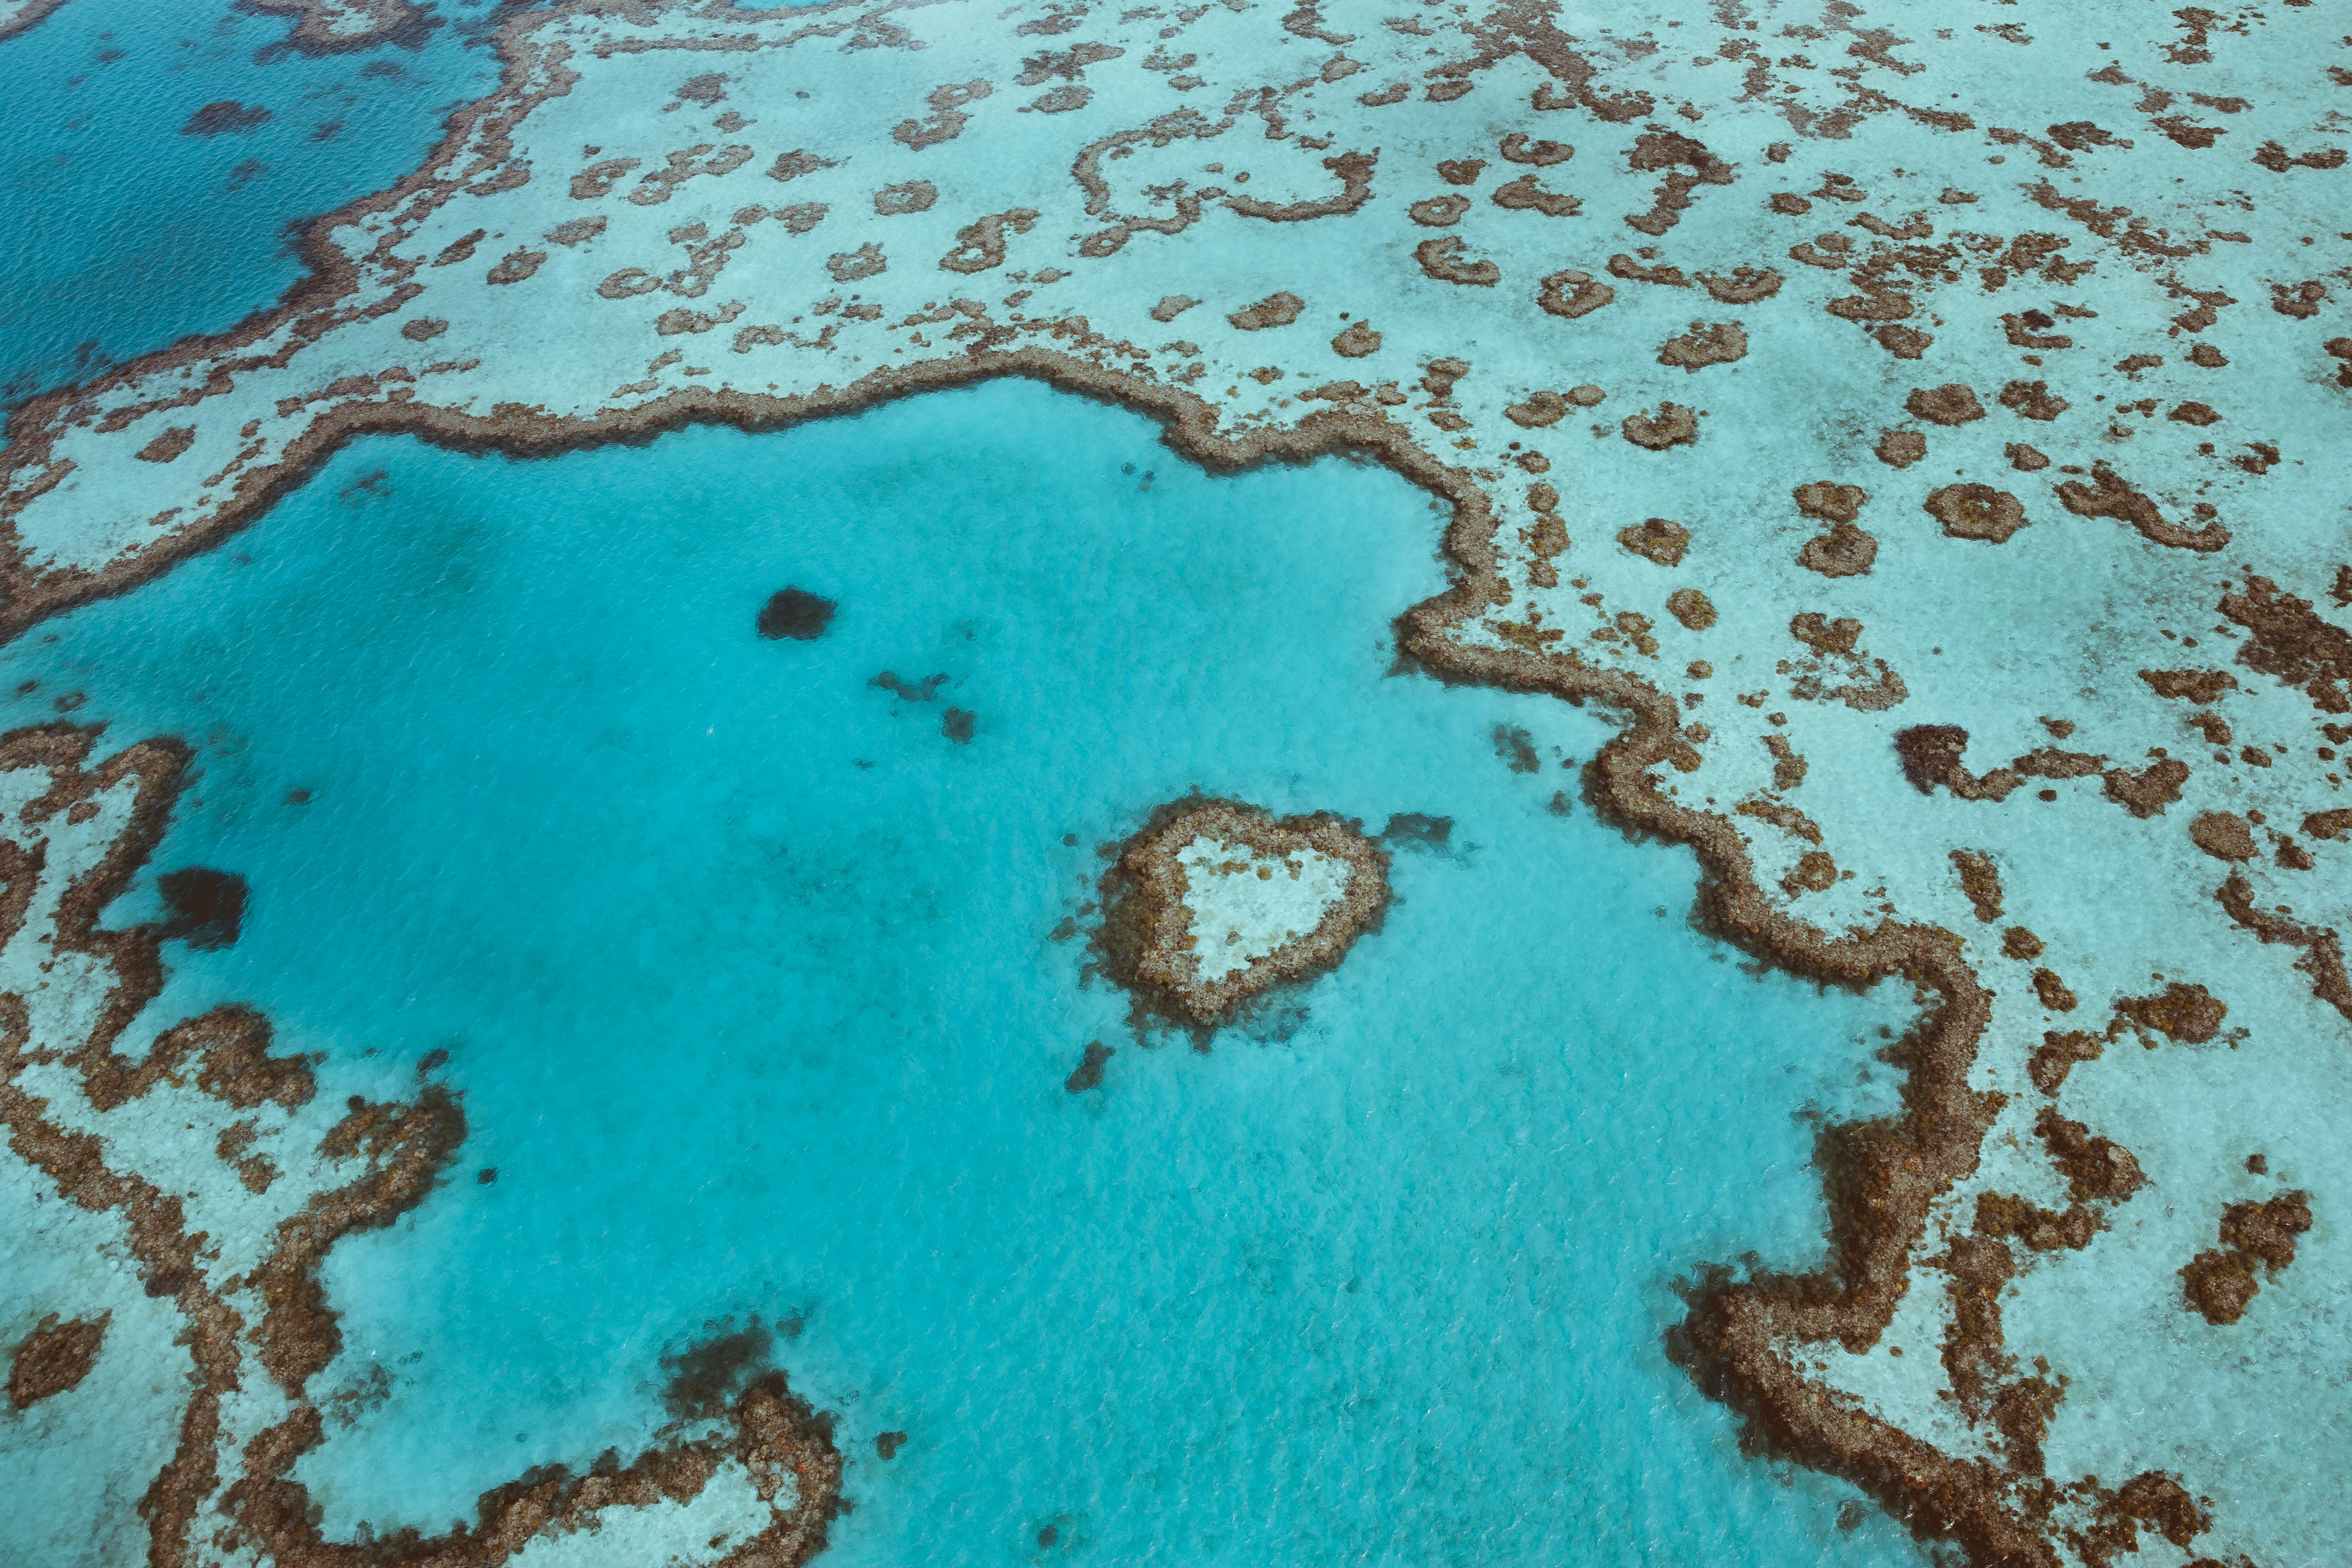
[(123, 234), (748, 978)]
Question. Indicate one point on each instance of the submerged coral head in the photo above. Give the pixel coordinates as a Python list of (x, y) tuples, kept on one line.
[(797, 614)]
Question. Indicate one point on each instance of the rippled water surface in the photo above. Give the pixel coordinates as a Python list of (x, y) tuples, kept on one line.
[(130, 222), (750, 978)]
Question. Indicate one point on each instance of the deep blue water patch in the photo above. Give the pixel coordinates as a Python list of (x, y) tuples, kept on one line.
[(756, 978), (160, 155)]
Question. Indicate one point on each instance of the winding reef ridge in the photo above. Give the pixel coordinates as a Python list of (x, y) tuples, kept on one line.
[(279, 1179), (1984, 377)]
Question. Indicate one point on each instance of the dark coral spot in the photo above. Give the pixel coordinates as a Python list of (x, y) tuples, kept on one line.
[(54, 1359), (797, 614), (705, 1375), (1418, 830), (1929, 753), (207, 907), (226, 115), (1089, 1074), (1517, 749)]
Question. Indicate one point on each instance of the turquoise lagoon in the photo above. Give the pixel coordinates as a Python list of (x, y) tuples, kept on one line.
[(749, 976)]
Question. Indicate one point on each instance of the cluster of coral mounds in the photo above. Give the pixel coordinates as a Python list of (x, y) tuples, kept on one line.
[(208, 1179), (1216, 901), (1924, 427)]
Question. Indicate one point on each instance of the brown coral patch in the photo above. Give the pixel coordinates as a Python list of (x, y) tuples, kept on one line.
[(1903, 342), (2108, 496), (223, 118), (2219, 1286), (1979, 882), (795, 613), (1977, 512), (1951, 404), (1439, 374), (174, 441), (1846, 551), (2334, 824), (2190, 1013), (2219, 1283), (1900, 448), (1830, 502), (2031, 400), (2096, 1168), (1356, 341), (981, 244), (1442, 260), (2266, 1232), (2323, 957), (1087, 1075), (907, 196), (1694, 609), (1518, 148), (1541, 409), (854, 266), (1931, 754), (1672, 425), (1704, 345), (2041, 1230), (2147, 792), (1743, 285), (947, 120), (791, 165), (577, 230), (1147, 940), (1656, 539), (2223, 835), (1814, 872), (2290, 644), (1275, 311), (2052, 991), (517, 265), (54, 1358), (1570, 293), (2058, 1054), (1822, 634), (1527, 194), (2199, 686)]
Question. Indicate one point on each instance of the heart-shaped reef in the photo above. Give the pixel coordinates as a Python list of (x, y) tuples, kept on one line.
[(1216, 901)]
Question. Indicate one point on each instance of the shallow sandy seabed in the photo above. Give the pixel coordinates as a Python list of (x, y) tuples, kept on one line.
[(1984, 379), (1241, 916)]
